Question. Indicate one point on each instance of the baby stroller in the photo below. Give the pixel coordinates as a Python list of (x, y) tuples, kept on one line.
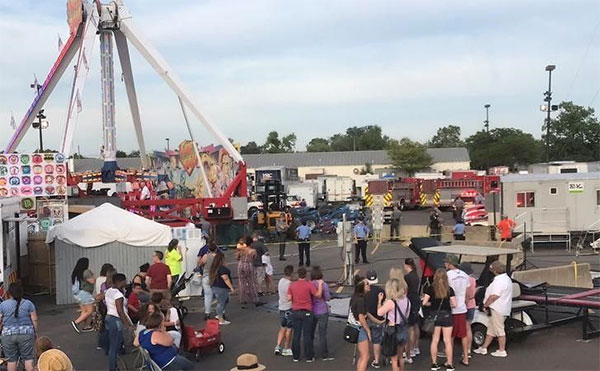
[(205, 340), (178, 287)]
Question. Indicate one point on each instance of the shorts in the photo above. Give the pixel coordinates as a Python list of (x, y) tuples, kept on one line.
[(459, 325), (444, 319), (286, 319), (84, 298), (16, 346), (470, 314), (376, 333), (362, 335), (413, 317), (496, 327), (402, 335)]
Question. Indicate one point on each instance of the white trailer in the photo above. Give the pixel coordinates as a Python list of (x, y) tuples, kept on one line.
[(552, 205), (338, 189), (13, 229), (306, 191)]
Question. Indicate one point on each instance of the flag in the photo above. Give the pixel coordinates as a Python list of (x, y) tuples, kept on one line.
[(60, 44), (13, 123)]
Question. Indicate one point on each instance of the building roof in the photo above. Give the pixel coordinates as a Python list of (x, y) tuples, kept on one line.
[(515, 178), (350, 158)]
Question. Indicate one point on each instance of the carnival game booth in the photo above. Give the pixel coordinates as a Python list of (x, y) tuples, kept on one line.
[(106, 234)]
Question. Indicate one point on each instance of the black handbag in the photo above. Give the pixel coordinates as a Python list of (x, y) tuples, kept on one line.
[(351, 334)]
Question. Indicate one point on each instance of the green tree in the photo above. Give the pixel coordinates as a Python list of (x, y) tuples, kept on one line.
[(364, 138), (121, 154), (77, 156), (251, 148), (503, 146), (408, 155), (318, 145), (574, 134), (446, 137), (288, 143), (135, 153), (273, 144), (368, 169)]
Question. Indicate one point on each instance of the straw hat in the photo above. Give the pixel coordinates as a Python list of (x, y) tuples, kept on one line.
[(248, 362), (54, 360)]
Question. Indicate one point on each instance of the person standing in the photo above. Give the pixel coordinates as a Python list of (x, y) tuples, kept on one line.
[(116, 318), (206, 263), (395, 226), (284, 336), (360, 234), (498, 300), (435, 224), (174, 259), (259, 268), (282, 228), (505, 226), (396, 310), (459, 206), (19, 321), (246, 273), (222, 285), (140, 277), (83, 281), (439, 297), (459, 230), (459, 281), (158, 278), (101, 278), (412, 281), (300, 294), (321, 312), (303, 233), (374, 320), (471, 304), (357, 317)]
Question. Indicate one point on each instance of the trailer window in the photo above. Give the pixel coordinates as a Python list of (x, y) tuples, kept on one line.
[(553, 190), (598, 197), (526, 199)]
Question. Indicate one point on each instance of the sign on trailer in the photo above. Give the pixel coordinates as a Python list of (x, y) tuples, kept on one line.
[(576, 187)]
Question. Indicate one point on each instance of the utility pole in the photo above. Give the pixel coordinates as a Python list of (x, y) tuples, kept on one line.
[(487, 118), (40, 116), (548, 99)]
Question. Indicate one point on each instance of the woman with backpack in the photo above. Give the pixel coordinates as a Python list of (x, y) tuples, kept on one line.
[(440, 299), (396, 309), (83, 281), (19, 327)]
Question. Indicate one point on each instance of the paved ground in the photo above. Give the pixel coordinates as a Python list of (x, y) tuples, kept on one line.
[(254, 330)]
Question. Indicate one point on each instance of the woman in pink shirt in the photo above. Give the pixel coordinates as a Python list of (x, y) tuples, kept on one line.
[(470, 299), (396, 309)]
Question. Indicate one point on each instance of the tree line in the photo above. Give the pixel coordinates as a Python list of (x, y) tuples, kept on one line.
[(574, 135)]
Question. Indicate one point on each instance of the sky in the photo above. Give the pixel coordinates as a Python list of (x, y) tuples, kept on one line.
[(314, 68)]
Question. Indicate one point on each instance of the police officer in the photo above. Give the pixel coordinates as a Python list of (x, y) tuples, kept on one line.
[(360, 234), (303, 233)]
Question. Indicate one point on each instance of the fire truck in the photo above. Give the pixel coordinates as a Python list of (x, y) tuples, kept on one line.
[(416, 192)]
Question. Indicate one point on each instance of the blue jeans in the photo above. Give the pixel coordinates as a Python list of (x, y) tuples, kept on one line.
[(114, 326), (179, 363), (321, 320), (303, 330), (222, 299), (208, 292)]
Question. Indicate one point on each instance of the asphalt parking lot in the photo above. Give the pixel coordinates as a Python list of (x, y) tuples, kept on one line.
[(254, 330)]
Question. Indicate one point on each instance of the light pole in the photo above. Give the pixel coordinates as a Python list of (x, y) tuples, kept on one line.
[(40, 116), (167, 139), (487, 118), (548, 100)]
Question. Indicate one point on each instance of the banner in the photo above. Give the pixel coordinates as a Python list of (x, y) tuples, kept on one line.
[(33, 175)]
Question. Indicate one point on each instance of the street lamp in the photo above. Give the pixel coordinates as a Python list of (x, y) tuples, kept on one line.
[(548, 100), (487, 118), (167, 139), (42, 123)]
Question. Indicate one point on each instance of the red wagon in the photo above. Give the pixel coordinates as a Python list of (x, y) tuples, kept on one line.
[(204, 340)]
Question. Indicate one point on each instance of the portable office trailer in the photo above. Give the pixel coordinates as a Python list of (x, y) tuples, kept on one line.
[(552, 203)]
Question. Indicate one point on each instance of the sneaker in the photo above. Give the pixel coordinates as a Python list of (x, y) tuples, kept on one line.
[(408, 360), (435, 367), (87, 329), (328, 358), (413, 354), (375, 365), (224, 323), (277, 350), (99, 348), (480, 350), (442, 354), (310, 360), (296, 360), (75, 327), (287, 353), (499, 353), (417, 351), (449, 368)]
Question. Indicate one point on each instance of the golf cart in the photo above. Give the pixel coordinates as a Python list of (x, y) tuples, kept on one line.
[(520, 323)]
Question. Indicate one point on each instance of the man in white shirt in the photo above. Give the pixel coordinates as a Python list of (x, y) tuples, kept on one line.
[(284, 337), (459, 281), (145, 195), (116, 317), (498, 299)]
